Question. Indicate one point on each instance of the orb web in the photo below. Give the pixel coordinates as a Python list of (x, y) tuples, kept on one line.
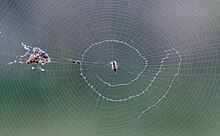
[(117, 68), (118, 53), (126, 54)]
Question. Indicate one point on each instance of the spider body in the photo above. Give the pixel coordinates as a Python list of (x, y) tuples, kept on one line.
[(114, 66)]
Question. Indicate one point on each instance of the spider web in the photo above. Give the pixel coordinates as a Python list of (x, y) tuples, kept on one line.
[(167, 81)]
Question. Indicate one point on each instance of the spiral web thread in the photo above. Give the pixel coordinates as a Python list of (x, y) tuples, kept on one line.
[(59, 101), (133, 80)]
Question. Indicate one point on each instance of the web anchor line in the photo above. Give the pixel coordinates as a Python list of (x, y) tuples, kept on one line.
[(116, 85)]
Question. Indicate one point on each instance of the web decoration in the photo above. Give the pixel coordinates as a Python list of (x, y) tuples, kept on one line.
[(95, 68), (114, 66)]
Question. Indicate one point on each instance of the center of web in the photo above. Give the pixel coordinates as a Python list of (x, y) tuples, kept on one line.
[(117, 63), (117, 72)]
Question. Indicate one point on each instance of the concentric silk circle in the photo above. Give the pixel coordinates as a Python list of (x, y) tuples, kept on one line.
[(123, 50), (97, 62), (109, 68)]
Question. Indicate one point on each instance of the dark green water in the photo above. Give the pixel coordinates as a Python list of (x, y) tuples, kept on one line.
[(59, 102)]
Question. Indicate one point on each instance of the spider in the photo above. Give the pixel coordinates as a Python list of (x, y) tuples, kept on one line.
[(114, 66)]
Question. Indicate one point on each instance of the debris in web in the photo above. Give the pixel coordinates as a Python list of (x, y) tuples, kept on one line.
[(38, 57)]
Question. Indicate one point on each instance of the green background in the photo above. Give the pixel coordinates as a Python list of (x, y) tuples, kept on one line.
[(58, 102)]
